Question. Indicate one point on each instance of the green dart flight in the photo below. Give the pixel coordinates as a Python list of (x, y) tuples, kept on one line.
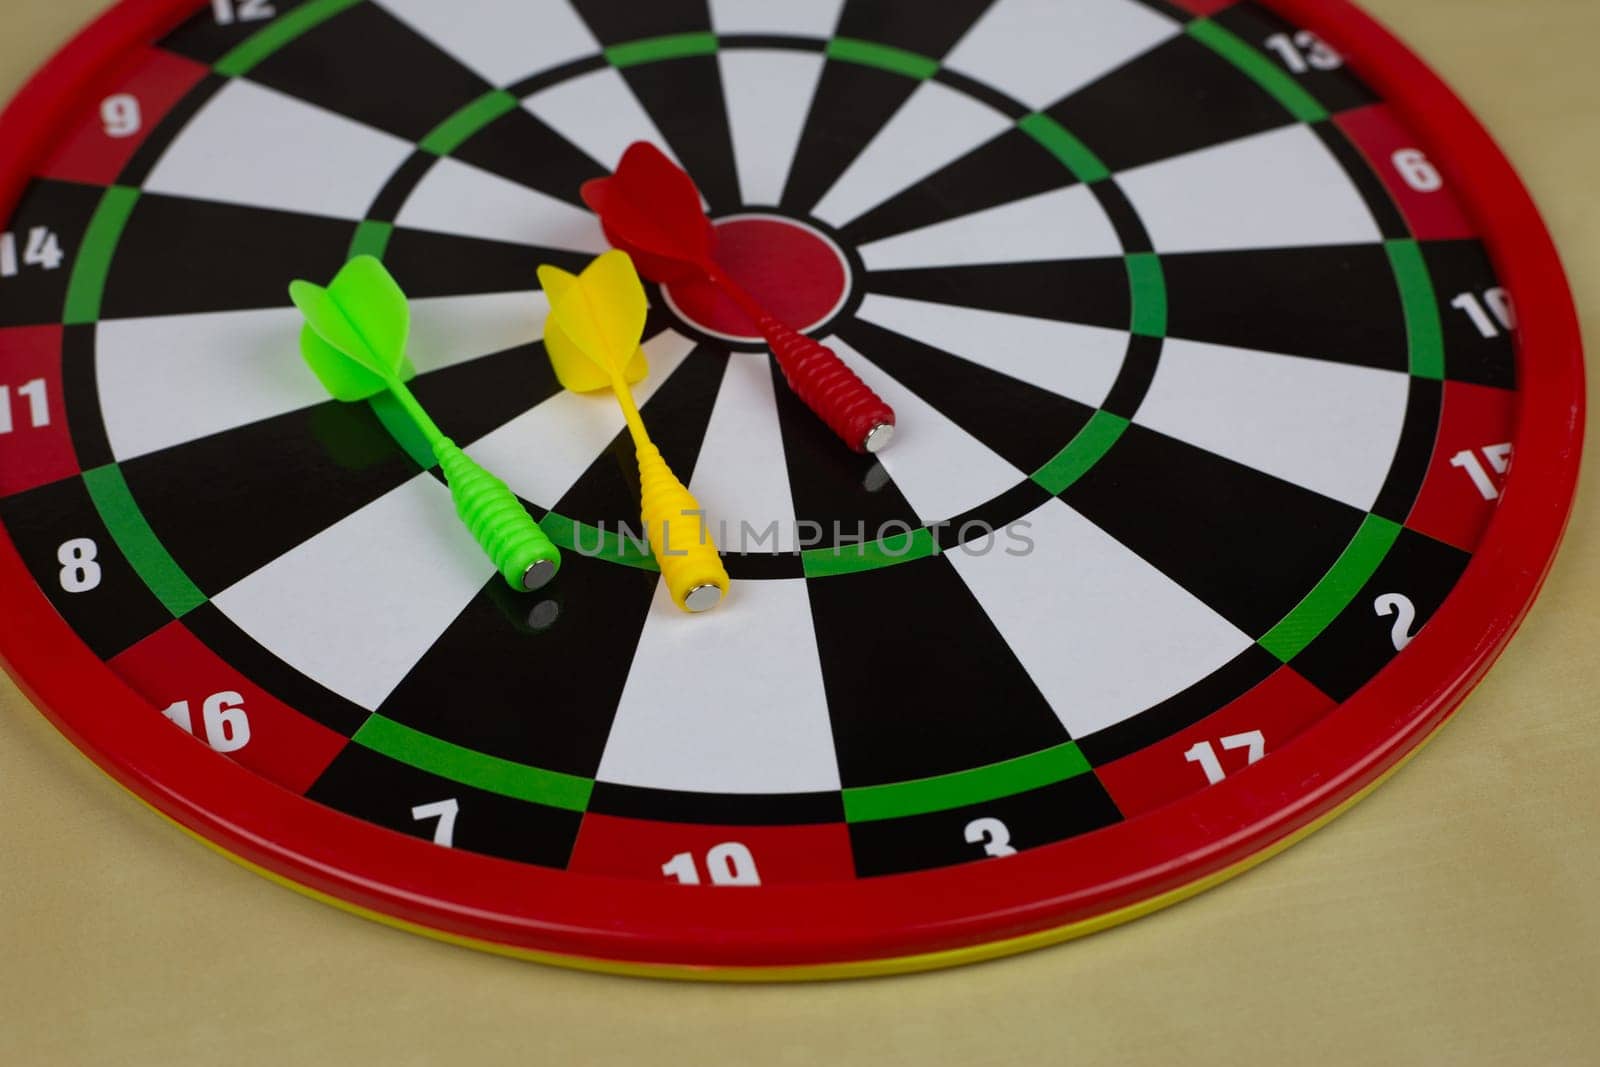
[(355, 341)]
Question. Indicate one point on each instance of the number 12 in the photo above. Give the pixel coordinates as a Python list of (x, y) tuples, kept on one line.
[(228, 12)]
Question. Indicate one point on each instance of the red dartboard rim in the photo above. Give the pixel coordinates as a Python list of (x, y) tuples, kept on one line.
[(897, 922)]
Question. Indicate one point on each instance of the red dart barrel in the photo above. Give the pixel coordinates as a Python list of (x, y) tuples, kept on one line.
[(651, 209), (858, 416)]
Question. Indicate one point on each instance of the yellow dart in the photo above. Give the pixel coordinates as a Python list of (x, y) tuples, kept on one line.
[(592, 335)]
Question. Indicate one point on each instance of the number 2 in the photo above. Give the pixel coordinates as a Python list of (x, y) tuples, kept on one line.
[(444, 831), (1404, 612), (1202, 752), (992, 834)]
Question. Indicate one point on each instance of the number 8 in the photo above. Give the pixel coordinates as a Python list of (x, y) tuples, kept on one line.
[(79, 571)]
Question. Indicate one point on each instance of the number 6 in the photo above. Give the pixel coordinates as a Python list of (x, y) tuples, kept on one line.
[(1417, 170)]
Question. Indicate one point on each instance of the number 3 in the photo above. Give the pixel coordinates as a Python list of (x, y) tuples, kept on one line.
[(992, 835)]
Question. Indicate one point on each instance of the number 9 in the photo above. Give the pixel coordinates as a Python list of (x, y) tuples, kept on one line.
[(121, 115)]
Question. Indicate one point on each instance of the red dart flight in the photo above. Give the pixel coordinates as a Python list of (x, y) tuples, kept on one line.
[(651, 209)]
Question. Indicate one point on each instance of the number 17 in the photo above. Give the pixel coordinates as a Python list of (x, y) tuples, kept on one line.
[(1203, 753)]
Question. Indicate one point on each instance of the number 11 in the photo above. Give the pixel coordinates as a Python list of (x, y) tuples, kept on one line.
[(38, 405)]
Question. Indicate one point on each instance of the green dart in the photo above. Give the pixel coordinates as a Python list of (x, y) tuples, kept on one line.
[(355, 341)]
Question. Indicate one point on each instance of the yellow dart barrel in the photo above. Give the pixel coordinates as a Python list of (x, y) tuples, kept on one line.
[(675, 524)]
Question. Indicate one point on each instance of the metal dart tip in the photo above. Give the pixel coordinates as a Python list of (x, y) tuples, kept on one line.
[(879, 437), (702, 598), (538, 574)]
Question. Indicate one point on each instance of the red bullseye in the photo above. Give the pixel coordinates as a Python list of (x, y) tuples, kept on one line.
[(798, 274)]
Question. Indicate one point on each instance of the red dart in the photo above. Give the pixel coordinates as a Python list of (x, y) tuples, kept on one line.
[(651, 209)]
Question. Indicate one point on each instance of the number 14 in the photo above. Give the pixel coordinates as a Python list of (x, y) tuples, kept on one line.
[(43, 250)]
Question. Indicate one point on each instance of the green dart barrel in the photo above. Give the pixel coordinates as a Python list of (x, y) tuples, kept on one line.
[(355, 341), (516, 544)]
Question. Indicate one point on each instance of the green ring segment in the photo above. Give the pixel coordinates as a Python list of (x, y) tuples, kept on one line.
[(1365, 553), (943, 792), (492, 774), (1259, 68), (570, 792), (277, 33), (112, 498)]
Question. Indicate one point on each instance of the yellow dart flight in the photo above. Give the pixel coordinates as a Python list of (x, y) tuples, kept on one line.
[(592, 335)]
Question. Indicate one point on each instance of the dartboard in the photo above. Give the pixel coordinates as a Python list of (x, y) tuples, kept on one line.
[(1238, 400)]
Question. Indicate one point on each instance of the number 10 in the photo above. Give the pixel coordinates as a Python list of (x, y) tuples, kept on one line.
[(1498, 316)]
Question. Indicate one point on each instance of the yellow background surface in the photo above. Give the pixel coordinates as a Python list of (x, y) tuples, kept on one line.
[(1454, 917)]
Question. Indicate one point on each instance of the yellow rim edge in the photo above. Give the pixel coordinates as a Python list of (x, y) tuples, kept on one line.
[(924, 961)]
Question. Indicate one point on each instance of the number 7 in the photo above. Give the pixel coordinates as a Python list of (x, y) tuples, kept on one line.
[(444, 832), (1254, 742)]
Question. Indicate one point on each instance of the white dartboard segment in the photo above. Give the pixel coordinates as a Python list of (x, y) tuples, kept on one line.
[(239, 367), (466, 201), (447, 330), (598, 113), (1102, 633), (752, 720), (940, 468), (1075, 361), (503, 41), (234, 368), (1059, 224), (1041, 51), (768, 95), (1329, 427), (1280, 189), (802, 18), (355, 607), (542, 453), (935, 126), (740, 477), (258, 147)]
